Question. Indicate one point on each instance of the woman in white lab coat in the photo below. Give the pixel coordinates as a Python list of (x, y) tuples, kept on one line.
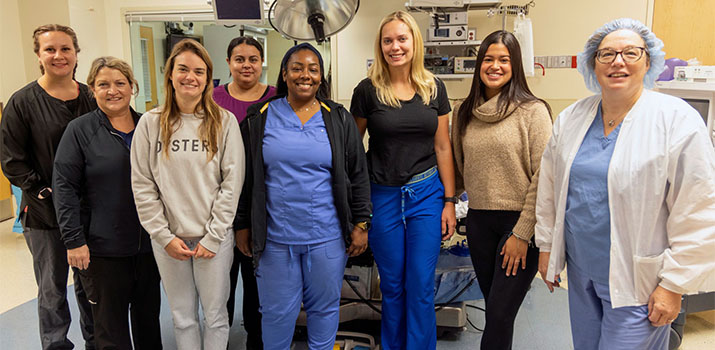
[(626, 197)]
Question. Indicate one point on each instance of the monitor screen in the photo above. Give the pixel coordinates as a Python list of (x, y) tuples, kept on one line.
[(238, 9), (700, 105)]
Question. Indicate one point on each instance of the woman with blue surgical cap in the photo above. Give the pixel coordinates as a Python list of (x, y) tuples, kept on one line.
[(626, 197)]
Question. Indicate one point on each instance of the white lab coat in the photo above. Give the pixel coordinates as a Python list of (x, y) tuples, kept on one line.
[(661, 194)]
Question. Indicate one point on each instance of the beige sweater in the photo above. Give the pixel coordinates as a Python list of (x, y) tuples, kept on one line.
[(498, 159)]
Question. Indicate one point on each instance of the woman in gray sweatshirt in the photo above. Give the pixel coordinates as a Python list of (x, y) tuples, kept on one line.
[(188, 168)]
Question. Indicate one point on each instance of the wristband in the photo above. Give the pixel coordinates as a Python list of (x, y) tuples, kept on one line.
[(450, 199)]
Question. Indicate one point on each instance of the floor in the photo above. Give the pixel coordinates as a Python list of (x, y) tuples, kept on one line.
[(542, 323)]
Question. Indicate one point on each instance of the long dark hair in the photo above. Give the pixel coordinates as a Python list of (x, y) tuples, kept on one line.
[(244, 40), (323, 92), (516, 90)]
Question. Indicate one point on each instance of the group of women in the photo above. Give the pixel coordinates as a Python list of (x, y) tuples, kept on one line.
[(621, 188)]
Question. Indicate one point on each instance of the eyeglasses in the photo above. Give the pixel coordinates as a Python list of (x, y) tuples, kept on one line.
[(630, 54)]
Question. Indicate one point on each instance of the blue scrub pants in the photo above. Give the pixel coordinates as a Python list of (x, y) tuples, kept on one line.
[(289, 275), (596, 325), (405, 239)]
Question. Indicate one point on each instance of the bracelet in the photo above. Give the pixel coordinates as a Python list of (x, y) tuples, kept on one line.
[(450, 199), (511, 233)]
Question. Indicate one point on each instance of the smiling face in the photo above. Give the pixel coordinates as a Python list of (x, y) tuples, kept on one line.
[(495, 71), (619, 76), (112, 91), (57, 54), (302, 75), (397, 44), (245, 65), (188, 77)]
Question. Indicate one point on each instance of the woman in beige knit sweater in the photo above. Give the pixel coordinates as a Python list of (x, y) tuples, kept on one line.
[(499, 133)]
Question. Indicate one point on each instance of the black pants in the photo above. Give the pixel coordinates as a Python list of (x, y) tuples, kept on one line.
[(487, 231), (49, 260), (118, 285), (251, 315)]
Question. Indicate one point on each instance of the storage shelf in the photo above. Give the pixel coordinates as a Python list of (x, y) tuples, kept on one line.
[(453, 43)]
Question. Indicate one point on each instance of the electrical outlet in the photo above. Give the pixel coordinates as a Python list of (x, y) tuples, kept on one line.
[(564, 61)]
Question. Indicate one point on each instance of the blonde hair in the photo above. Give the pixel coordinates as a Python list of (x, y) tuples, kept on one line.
[(54, 28), (169, 117), (421, 79), (112, 63)]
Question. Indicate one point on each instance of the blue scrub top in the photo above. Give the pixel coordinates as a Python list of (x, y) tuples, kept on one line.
[(587, 223), (299, 186)]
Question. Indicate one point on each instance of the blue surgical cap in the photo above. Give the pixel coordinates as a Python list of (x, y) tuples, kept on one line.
[(654, 47)]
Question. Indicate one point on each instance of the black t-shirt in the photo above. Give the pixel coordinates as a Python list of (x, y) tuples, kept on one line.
[(401, 141)]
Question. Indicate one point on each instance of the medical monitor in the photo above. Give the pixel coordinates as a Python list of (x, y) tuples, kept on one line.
[(701, 96)]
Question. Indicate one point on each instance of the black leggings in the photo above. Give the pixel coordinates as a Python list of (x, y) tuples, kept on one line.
[(487, 231)]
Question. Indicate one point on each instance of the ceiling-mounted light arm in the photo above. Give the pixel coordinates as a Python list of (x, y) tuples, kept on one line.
[(317, 21), (270, 21), (307, 20)]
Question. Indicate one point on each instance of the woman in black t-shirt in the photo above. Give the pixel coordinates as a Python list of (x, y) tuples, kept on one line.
[(405, 108)]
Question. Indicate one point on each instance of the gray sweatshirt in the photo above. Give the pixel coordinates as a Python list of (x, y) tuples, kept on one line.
[(186, 195)]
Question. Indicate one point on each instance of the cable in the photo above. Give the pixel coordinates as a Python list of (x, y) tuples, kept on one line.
[(362, 298), (476, 307), (442, 305), (470, 322), (473, 326)]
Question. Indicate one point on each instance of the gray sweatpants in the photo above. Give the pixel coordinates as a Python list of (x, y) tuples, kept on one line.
[(189, 282), (49, 260)]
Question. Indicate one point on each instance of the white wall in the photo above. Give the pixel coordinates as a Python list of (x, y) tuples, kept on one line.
[(12, 61), (87, 19)]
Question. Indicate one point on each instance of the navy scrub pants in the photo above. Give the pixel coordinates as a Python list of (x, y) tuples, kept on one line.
[(405, 240)]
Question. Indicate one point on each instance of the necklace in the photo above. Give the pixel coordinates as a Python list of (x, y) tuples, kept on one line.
[(302, 109), (611, 122)]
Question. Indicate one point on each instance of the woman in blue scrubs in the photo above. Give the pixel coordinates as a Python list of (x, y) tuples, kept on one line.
[(306, 198)]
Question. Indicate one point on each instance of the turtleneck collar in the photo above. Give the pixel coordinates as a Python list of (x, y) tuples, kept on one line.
[(488, 112)]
